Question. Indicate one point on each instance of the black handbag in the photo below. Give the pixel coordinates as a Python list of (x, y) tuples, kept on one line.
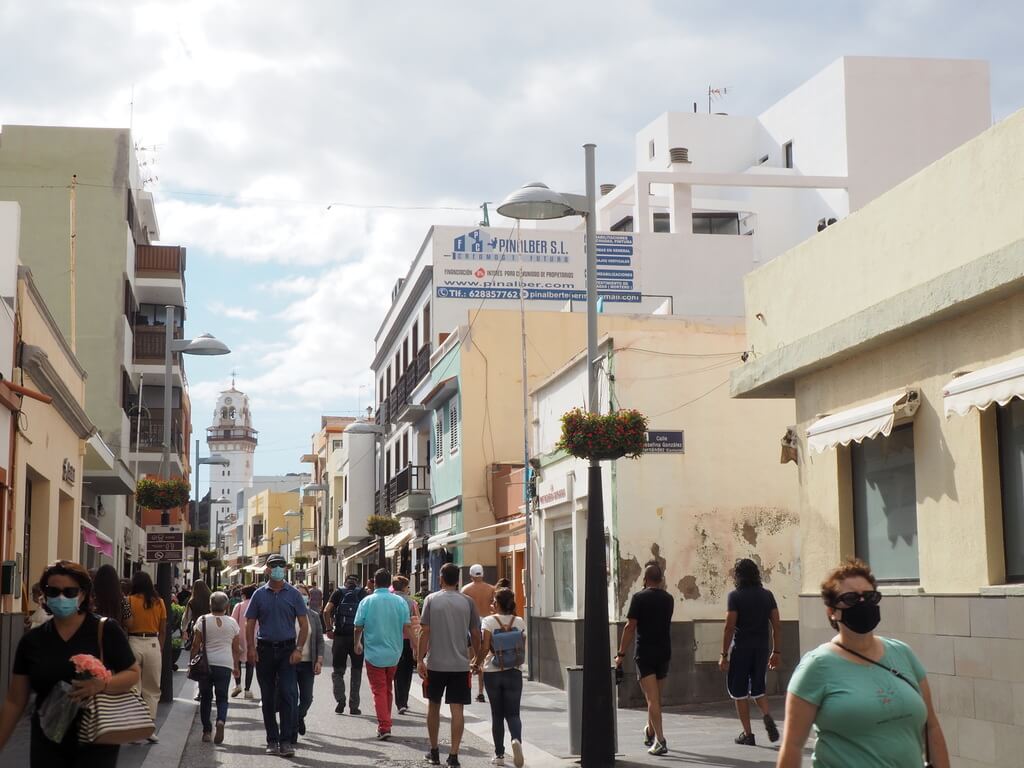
[(199, 663), (908, 681)]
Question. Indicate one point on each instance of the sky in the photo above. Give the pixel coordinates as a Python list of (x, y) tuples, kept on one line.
[(301, 150)]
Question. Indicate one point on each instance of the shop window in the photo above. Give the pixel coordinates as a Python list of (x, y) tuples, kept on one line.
[(565, 601), (885, 505), (1011, 477)]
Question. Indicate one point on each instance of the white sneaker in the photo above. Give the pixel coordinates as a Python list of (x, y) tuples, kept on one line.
[(659, 748), (248, 695), (237, 690), (517, 753), (152, 739), (497, 761)]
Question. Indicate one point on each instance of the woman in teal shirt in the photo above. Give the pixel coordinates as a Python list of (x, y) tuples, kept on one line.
[(864, 714)]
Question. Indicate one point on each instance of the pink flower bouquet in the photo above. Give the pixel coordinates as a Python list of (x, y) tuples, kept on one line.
[(58, 711), (88, 666)]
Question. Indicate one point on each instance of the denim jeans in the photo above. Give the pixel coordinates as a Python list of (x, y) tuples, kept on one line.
[(304, 673), (504, 691), (217, 682), (276, 675)]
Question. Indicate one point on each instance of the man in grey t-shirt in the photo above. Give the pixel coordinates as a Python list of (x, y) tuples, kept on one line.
[(448, 618)]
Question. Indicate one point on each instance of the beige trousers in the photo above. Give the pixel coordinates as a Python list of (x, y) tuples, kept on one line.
[(147, 654)]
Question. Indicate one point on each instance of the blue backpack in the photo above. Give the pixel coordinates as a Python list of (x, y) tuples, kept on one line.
[(508, 645)]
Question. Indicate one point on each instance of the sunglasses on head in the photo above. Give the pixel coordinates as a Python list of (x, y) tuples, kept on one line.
[(850, 599), (58, 591)]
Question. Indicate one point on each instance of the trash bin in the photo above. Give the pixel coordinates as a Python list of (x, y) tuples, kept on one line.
[(574, 693)]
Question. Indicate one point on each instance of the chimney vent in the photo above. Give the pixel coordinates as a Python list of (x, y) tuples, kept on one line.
[(679, 155), (606, 188)]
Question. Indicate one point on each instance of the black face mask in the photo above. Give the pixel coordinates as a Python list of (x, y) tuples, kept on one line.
[(862, 618)]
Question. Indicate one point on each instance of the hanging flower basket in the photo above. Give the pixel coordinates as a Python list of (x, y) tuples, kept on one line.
[(603, 436), (382, 525), (161, 494), (198, 538), (328, 551), (208, 555)]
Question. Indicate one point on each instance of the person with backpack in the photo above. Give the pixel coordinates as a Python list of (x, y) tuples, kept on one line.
[(340, 613), (504, 638)]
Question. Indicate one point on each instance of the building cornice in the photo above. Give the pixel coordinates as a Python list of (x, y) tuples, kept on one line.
[(384, 350), (24, 273), (36, 363)]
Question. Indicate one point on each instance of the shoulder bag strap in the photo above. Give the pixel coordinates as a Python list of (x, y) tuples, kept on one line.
[(905, 679), (99, 637)]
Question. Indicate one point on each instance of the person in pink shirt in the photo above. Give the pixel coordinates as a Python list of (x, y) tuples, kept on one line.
[(238, 614)]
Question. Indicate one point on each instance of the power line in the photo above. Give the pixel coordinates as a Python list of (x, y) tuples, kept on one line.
[(691, 402)]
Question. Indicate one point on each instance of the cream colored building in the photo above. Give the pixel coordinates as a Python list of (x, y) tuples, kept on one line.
[(265, 514), (900, 334), (51, 442), (716, 494)]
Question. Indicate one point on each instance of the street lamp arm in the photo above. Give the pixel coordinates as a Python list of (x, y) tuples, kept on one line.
[(580, 204)]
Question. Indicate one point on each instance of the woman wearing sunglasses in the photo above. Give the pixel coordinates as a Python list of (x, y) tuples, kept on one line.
[(43, 659), (866, 695)]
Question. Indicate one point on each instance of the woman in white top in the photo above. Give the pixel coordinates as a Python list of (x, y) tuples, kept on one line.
[(218, 633), (504, 638), (310, 666)]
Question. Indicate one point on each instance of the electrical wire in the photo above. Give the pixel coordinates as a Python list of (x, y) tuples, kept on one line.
[(690, 402), (679, 354)]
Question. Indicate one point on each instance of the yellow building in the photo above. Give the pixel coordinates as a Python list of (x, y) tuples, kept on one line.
[(899, 332), (267, 528), (50, 444)]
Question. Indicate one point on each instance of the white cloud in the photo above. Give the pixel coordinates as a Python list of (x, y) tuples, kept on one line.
[(235, 313)]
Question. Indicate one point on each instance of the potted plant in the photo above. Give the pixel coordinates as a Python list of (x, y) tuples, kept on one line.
[(602, 436), (161, 494)]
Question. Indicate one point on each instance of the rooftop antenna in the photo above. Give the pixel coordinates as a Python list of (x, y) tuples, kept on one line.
[(487, 219), (715, 93)]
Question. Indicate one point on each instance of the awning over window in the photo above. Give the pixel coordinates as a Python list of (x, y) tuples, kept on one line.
[(862, 423), (365, 550), (96, 539), (394, 543), (980, 389), (477, 535)]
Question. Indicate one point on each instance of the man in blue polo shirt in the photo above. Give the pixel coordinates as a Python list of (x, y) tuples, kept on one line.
[(380, 635), (276, 606)]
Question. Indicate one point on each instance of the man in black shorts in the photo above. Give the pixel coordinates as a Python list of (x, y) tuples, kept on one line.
[(447, 619), (747, 650), (650, 620)]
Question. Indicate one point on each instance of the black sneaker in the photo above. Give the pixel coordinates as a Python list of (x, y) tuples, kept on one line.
[(773, 730), (383, 735), (273, 748), (355, 710), (480, 698), (453, 761), (746, 739), (302, 726), (433, 756), (339, 709), (287, 750)]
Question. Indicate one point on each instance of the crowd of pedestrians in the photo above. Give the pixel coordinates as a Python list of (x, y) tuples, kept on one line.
[(277, 630)]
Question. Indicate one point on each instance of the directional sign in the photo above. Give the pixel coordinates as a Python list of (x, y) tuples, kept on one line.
[(165, 543), (664, 441)]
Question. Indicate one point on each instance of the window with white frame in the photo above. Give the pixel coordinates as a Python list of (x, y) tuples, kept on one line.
[(438, 434), (564, 581), (1011, 480), (453, 427), (885, 505)]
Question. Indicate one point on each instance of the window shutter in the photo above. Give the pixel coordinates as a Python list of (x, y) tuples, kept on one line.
[(438, 434), (453, 417)]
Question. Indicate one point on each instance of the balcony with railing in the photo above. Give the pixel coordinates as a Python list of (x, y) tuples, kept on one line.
[(407, 494), (160, 274), (401, 396), (149, 344), (147, 433), (244, 434)]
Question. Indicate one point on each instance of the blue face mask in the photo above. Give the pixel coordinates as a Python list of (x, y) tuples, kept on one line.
[(277, 573), (305, 599), (62, 607)]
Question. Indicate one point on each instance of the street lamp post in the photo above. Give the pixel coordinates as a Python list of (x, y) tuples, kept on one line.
[(324, 528), (291, 546), (535, 201), (214, 460), (201, 345), (287, 537)]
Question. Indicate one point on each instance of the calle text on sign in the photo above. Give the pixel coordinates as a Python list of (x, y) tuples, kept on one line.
[(165, 543), (664, 441)]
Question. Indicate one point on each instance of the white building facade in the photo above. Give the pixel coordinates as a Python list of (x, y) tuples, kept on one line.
[(231, 436)]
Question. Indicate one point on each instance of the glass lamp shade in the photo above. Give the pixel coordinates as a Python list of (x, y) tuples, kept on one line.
[(535, 201)]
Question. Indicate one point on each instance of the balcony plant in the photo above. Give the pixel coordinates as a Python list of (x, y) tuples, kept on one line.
[(161, 494), (603, 436)]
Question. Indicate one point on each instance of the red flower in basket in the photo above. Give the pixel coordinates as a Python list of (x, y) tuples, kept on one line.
[(88, 666)]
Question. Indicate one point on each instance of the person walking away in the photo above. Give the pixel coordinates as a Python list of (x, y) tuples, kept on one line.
[(108, 598), (504, 637), (312, 663), (445, 664), (867, 696), (316, 599), (407, 664), (198, 605), (747, 650), (649, 619), (379, 631), (340, 616), (238, 614), (147, 630), (219, 633), (42, 660), (482, 594), (39, 616), (276, 606)]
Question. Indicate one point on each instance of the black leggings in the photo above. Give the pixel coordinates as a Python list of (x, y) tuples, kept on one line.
[(504, 691), (250, 669)]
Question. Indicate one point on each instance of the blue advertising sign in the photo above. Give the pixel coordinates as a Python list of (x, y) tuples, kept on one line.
[(664, 441)]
